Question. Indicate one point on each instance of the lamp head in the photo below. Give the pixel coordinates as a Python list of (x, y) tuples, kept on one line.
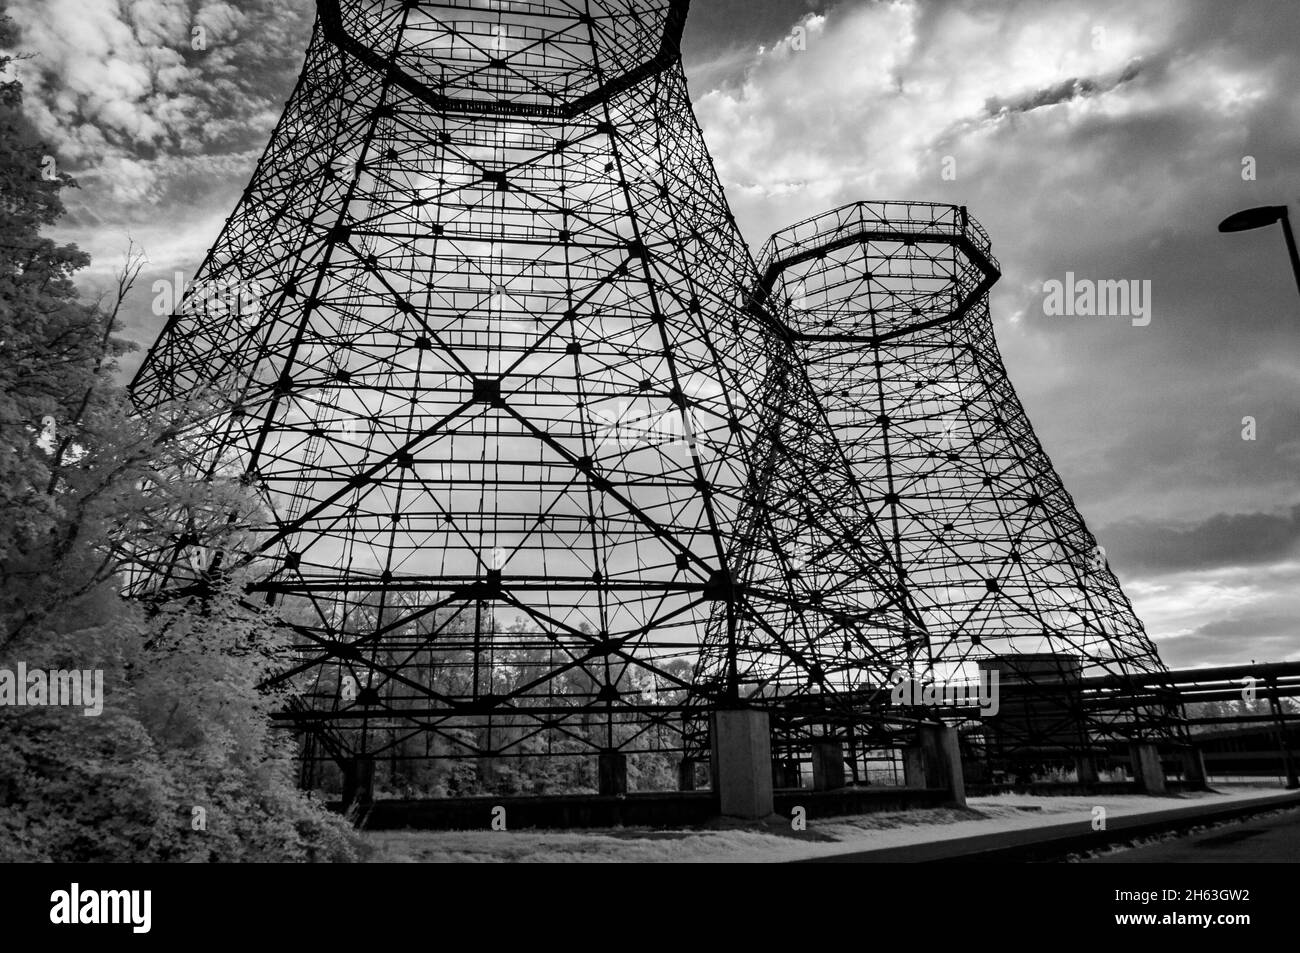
[(1253, 218)]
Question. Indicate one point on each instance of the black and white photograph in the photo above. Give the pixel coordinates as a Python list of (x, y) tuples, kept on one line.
[(493, 432)]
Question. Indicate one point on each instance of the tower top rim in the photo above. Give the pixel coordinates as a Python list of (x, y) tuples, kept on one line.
[(465, 50)]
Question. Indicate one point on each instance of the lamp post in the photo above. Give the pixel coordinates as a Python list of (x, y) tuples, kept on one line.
[(1243, 221), (1258, 218)]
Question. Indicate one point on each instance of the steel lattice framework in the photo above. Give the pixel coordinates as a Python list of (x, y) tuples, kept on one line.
[(887, 303), (504, 398), (548, 462)]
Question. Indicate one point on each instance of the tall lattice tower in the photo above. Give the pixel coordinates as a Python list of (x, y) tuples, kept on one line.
[(887, 303), (481, 333)]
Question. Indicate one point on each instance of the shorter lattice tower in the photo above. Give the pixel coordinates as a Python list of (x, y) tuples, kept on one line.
[(888, 305)]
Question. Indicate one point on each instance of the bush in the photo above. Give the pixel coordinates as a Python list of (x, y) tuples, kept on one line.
[(182, 764)]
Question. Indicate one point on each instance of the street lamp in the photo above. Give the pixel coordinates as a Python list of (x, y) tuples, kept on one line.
[(1244, 221), (1258, 218)]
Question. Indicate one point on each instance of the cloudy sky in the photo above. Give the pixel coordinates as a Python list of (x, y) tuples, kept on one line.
[(1101, 138)]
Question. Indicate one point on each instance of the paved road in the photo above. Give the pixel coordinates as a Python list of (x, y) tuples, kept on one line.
[(1274, 839), (1054, 841)]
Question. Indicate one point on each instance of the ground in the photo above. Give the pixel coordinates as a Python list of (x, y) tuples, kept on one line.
[(775, 840)]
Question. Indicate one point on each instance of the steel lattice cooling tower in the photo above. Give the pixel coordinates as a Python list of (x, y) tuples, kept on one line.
[(549, 465), (887, 303)]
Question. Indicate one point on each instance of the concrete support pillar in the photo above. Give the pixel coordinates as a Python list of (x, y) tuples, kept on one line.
[(942, 759), (913, 767), (1147, 770), (742, 762), (1086, 768), (1194, 766), (611, 770), (686, 775), (827, 764), (1284, 741), (786, 773), (358, 780)]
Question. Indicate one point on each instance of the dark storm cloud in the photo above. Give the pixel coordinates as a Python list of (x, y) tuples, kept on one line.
[(722, 35), (1223, 540), (1073, 88), (1235, 640)]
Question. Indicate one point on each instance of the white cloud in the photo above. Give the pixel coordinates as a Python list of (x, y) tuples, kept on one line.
[(1222, 615)]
